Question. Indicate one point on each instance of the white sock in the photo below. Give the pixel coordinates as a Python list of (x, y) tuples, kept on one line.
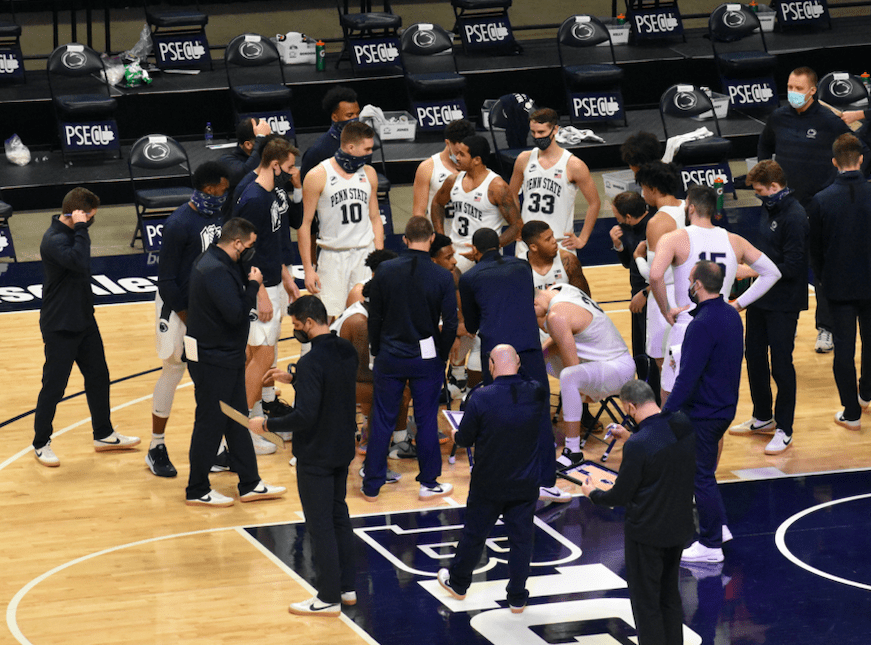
[(573, 444), (257, 410), (458, 372), (157, 440), (400, 435), (267, 394)]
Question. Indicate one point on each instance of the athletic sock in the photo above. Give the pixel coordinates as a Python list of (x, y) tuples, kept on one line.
[(156, 440), (267, 394), (257, 410), (458, 372), (573, 444)]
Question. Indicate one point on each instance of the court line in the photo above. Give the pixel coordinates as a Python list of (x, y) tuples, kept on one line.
[(780, 541)]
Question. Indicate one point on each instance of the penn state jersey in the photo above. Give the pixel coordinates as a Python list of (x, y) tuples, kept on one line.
[(548, 195), (343, 209), (705, 244), (473, 210), (678, 214), (599, 341), (556, 274), (440, 173)]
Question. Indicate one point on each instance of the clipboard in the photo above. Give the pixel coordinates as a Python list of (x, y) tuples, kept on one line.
[(242, 420)]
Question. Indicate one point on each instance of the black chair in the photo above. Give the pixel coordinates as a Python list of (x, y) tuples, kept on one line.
[(7, 247), (654, 20), (509, 115), (11, 59), (677, 109), (473, 19), (365, 24), (843, 90), (256, 77), (384, 186), (589, 69), (81, 99), (430, 67), (160, 175), (179, 37)]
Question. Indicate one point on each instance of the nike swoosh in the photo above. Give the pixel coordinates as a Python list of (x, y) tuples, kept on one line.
[(313, 608), (110, 443), (260, 492)]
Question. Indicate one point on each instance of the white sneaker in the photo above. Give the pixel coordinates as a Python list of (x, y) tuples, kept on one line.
[(212, 498), (553, 494), (315, 607), (849, 425), (727, 534), (437, 490), (115, 441), (261, 446), (754, 426), (698, 552), (263, 491), (349, 598), (779, 443), (444, 578), (46, 456), (863, 403), (824, 343)]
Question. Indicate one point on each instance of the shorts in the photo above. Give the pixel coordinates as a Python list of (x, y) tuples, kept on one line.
[(657, 327), (595, 379), (463, 264), (339, 270), (267, 333), (475, 362), (671, 364), (169, 333)]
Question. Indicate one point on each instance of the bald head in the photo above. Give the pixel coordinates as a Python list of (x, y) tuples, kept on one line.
[(504, 361)]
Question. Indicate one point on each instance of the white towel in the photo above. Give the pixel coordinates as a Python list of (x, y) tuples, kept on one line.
[(674, 143), (572, 136)]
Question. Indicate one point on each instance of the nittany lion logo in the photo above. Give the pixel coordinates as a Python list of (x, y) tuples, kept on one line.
[(424, 38), (734, 19), (840, 88), (252, 315), (251, 50), (164, 327), (156, 151), (583, 31), (73, 59), (685, 100)]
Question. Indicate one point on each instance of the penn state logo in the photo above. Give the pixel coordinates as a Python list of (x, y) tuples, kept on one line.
[(252, 315), (73, 59), (840, 88), (773, 226), (583, 31), (156, 151), (734, 19), (685, 100), (164, 327), (811, 133), (424, 38), (252, 50)]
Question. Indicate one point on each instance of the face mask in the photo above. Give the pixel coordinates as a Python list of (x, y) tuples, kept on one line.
[(543, 143), (771, 200), (694, 298), (301, 336), (796, 99), (208, 204), (89, 223), (337, 127), (247, 255), (453, 158), (283, 179), (348, 162)]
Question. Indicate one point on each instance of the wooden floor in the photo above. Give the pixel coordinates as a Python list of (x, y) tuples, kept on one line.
[(101, 551)]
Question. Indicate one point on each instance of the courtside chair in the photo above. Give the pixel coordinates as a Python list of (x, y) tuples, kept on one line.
[(160, 176), (483, 26), (591, 76), (365, 24), (508, 123), (179, 37), (430, 66), (843, 90), (256, 77), (11, 59)]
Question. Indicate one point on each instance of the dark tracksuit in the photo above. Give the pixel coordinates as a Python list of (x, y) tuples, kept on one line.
[(497, 298), (407, 297), (771, 320), (260, 207), (655, 484), (221, 297), (706, 389), (290, 211), (324, 422), (840, 225), (69, 330), (502, 421), (632, 237)]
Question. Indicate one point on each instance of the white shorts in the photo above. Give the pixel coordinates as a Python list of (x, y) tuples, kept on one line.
[(671, 364), (169, 334), (657, 327), (463, 264), (474, 363), (339, 271), (267, 333), (594, 379)]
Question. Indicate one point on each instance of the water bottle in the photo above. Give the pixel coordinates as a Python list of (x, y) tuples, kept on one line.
[(320, 55), (210, 134)]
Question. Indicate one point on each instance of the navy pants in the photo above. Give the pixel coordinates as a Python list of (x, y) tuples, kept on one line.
[(844, 317), (709, 502), (424, 378), (772, 331), (62, 349), (652, 574), (481, 515)]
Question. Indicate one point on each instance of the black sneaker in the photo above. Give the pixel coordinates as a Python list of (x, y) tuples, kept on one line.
[(158, 460), (277, 408), (222, 462), (404, 449), (569, 459)]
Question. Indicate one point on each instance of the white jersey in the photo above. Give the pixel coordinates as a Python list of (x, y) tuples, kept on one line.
[(548, 195), (556, 275), (705, 244), (600, 341), (678, 214), (473, 210), (440, 173), (343, 209), (356, 308)]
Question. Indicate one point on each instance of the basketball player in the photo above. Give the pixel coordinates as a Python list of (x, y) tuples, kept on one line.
[(679, 251), (259, 205), (187, 233), (480, 199), (342, 190), (550, 177), (659, 182), (432, 172), (586, 353), (550, 264)]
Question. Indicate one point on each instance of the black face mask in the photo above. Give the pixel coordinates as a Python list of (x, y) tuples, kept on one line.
[(694, 298), (246, 255), (301, 336), (543, 143), (283, 180)]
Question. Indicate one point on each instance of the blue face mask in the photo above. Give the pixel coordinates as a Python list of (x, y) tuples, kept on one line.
[(208, 204), (349, 163), (337, 127), (796, 99), (769, 201)]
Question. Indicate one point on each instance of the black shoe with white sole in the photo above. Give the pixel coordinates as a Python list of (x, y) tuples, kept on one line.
[(159, 463)]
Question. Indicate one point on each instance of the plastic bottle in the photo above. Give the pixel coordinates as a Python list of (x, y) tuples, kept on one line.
[(718, 186), (320, 55), (866, 80), (621, 19), (754, 7), (210, 134)]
